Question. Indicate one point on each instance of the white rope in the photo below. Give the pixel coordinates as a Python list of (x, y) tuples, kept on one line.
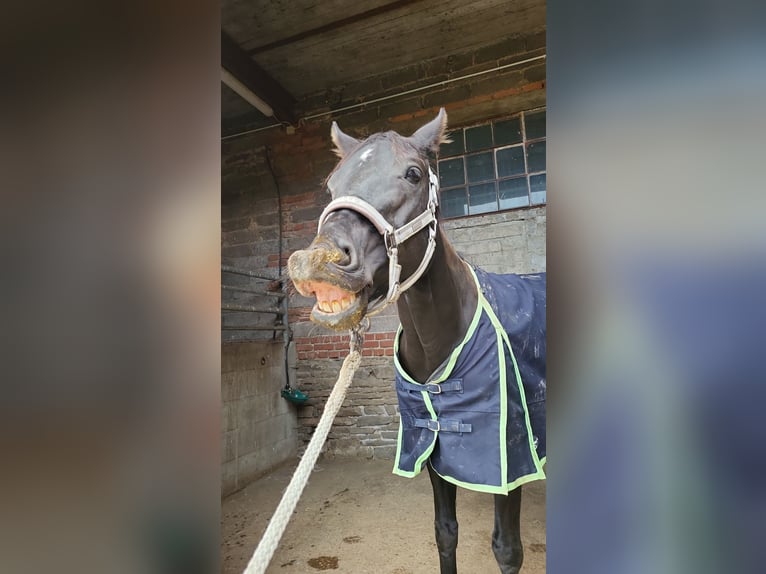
[(270, 540)]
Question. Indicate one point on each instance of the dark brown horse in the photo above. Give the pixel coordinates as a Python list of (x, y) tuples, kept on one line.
[(379, 242)]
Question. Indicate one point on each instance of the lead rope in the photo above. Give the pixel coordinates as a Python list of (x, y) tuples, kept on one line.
[(270, 540)]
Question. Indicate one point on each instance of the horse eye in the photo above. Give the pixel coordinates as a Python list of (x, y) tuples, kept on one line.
[(413, 175)]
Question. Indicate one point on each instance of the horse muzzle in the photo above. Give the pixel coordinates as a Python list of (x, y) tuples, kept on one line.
[(341, 299)]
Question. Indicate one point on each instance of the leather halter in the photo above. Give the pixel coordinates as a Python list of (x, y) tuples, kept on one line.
[(393, 237)]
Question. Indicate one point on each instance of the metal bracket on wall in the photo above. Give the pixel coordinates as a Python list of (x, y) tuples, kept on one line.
[(280, 310)]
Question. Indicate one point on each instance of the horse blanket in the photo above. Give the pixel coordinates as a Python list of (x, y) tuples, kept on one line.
[(479, 419)]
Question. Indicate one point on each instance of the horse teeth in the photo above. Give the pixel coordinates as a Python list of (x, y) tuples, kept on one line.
[(335, 306)]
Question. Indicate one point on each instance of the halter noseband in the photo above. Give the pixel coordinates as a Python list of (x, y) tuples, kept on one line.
[(392, 237)]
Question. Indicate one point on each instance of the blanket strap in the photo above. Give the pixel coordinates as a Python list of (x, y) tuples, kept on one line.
[(445, 425), (451, 385)]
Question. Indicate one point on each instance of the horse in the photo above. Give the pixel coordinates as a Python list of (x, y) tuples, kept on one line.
[(470, 350)]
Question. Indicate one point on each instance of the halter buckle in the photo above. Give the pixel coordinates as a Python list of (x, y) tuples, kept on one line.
[(389, 240)]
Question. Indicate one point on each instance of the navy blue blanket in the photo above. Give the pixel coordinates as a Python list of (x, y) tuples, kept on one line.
[(479, 420)]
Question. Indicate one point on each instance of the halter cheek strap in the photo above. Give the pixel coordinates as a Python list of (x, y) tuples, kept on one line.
[(393, 237)]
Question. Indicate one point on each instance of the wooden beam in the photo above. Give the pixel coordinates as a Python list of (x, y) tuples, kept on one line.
[(332, 26), (237, 62)]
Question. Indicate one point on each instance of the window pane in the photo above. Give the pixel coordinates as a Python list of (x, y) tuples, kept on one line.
[(480, 167), (483, 198), (536, 156), (510, 161), (478, 138), (537, 188), (513, 193), (451, 172), (535, 125), (453, 202), (508, 132), (454, 148)]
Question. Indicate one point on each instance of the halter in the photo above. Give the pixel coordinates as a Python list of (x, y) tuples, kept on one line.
[(393, 237)]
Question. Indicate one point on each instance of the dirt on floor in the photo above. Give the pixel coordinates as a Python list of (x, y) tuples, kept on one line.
[(356, 517)]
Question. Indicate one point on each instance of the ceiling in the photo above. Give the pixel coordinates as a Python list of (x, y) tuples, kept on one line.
[(310, 46)]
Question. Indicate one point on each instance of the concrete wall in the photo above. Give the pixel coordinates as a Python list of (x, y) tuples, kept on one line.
[(505, 242), (272, 170), (258, 426)]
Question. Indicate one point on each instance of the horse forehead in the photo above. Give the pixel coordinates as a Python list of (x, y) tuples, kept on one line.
[(371, 162), (365, 155)]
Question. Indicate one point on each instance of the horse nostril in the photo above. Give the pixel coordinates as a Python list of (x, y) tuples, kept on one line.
[(347, 250), (348, 259)]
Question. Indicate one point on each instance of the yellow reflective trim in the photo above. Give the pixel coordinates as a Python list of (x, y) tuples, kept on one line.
[(503, 410), (504, 489)]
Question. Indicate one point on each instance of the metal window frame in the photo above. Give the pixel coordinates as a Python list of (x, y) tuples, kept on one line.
[(524, 144)]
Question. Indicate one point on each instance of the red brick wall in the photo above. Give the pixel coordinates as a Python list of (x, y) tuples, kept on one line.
[(336, 346)]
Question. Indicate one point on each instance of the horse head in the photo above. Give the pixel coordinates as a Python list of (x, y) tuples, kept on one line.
[(377, 235)]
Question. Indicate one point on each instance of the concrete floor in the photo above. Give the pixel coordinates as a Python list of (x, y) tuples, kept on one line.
[(355, 517)]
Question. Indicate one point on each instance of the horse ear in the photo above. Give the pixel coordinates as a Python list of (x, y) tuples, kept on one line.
[(344, 144), (430, 136)]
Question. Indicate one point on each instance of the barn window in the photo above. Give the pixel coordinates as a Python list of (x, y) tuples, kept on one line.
[(494, 166)]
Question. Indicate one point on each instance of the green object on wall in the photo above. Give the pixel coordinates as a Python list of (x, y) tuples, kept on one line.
[(294, 395)]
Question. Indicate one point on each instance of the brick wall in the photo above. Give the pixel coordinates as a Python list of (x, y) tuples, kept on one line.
[(336, 346), (367, 423), (260, 169)]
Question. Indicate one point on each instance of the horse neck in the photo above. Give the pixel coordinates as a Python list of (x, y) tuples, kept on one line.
[(436, 311)]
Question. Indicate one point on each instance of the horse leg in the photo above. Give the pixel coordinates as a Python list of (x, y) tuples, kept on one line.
[(445, 522), (506, 538)]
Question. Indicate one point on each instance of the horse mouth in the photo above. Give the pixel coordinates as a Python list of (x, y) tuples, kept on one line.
[(336, 308)]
